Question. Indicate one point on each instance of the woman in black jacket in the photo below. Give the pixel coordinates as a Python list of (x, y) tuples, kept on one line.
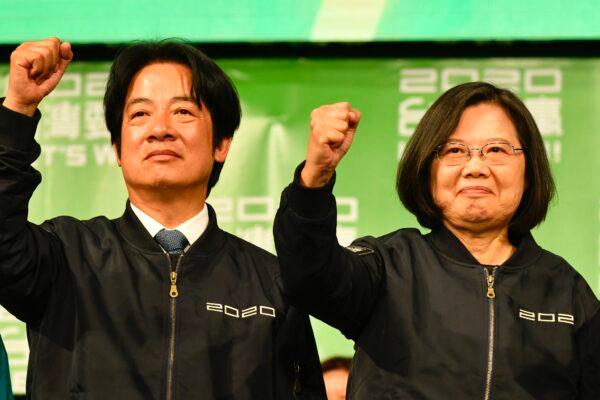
[(473, 310)]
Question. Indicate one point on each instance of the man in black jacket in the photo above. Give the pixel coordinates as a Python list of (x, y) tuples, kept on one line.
[(159, 303)]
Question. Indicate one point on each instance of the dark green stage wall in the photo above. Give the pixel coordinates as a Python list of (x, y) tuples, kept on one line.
[(81, 179)]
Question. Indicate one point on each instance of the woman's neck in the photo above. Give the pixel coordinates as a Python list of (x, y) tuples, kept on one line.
[(489, 247)]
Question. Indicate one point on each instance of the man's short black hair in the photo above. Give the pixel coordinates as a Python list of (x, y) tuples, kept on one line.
[(333, 363), (438, 123), (211, 87)]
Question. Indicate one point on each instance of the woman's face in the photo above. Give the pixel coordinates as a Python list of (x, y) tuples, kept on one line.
[(478, 195)]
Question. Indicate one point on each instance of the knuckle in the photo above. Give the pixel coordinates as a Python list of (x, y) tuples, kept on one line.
[(319, 115), (318, 128), (37, 56), (44, 51), (18, 52), (315, 128), (316, 114)]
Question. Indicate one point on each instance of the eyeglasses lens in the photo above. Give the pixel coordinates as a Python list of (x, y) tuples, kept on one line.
[(458, 153)]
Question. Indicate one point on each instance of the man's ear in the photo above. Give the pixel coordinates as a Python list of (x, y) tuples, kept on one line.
[(116, 152), (220, 153)]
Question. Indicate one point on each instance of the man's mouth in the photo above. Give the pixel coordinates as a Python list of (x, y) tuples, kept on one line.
[(162, 154)]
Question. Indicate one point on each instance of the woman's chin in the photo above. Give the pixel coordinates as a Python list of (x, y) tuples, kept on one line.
[(471, 218)]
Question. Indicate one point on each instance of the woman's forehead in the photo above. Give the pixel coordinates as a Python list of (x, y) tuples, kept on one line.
[(482, 123)]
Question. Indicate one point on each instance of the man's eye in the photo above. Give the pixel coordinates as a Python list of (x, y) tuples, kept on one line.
[(183, 111), (138, 114)]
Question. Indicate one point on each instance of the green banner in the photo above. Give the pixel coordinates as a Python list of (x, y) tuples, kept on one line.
[(117, 21), (80, 177)]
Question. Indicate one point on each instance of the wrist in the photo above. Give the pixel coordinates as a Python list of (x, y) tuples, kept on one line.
[(311, 178), (311, 202), (25, 109)]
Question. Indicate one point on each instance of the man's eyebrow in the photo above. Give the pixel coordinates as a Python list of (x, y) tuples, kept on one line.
[(137, 100), (183, 98), (146, 100)]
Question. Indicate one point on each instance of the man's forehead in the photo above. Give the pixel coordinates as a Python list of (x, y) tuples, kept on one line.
[(165, 81), (162, 66), (146, 100)]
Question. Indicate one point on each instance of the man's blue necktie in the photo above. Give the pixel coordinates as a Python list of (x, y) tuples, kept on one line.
[(172, 241)]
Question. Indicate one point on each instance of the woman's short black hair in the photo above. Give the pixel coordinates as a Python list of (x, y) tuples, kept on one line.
[(211, 87), (438, 123)]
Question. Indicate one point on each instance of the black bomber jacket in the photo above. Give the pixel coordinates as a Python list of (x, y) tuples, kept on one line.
[(101, 320), (431, 323)]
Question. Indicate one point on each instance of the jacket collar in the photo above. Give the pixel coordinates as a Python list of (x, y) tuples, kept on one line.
[(134, 232), (443, 240)]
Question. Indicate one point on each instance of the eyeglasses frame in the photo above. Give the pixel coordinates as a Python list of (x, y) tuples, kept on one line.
[(480, 150)]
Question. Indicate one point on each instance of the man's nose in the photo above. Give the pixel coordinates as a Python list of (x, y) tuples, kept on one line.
[(161, 129)]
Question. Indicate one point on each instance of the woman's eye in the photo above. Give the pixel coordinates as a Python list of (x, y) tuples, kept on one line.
[(454, 150), (497, 149), (183, 111)]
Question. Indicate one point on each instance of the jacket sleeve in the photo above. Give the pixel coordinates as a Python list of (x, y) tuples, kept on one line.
[(28, 254), (587, 340), (297, 359), (336, 285)]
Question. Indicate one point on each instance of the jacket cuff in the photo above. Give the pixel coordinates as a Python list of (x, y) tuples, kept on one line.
[(17, 130), (311, 202)]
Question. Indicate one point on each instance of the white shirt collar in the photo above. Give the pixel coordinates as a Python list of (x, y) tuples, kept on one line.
[(192, 229)]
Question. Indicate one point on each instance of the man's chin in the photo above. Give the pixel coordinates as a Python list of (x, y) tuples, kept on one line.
[(159, 182), (166, 182)]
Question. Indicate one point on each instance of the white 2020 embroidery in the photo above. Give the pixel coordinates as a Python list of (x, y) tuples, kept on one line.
[(547, 317), (241, 313)]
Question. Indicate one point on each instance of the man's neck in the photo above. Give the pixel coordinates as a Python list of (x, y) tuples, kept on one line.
[(170, 210), (489, 247)]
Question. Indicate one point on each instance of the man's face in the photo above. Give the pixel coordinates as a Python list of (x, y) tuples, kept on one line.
[(166, 139)]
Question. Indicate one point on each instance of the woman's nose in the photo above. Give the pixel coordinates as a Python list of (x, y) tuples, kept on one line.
[(475, 165)]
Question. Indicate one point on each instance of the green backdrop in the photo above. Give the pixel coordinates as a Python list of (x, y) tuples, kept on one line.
[(114, 21), (80, 178)]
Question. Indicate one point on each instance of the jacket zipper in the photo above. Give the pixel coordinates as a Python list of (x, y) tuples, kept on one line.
[(296, 387), (173, 293), (491, 295)]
